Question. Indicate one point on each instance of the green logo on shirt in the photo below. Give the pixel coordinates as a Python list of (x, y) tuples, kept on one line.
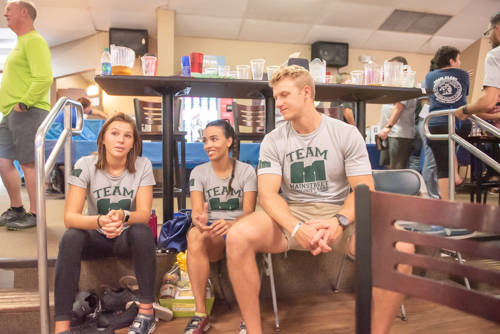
[(232, 204), (315, 172), (104, 205), (264, 164), (191, 183), (76, 172)]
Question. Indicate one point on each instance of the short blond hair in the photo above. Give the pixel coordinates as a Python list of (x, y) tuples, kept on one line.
[(30, 6), (299, 74)]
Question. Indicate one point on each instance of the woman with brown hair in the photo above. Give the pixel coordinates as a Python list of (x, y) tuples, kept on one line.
[(118, 186)]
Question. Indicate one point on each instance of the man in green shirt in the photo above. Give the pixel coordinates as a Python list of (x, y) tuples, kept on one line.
[(24, 103)]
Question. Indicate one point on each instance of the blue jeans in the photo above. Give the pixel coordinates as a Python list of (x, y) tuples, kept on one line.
[(429, 170)]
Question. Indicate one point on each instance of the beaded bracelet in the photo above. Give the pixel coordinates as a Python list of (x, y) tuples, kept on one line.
[(98, 224)]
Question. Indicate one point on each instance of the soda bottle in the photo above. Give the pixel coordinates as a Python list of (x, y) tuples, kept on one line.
[(153, 224), (106, 62)]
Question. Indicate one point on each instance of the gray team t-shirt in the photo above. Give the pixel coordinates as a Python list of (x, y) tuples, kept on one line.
[(492, 68), (106, 192), (405, 126), (314, 167), (215, 190)]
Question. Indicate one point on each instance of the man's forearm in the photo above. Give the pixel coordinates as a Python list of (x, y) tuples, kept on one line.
[(395, 114), (277, 208)]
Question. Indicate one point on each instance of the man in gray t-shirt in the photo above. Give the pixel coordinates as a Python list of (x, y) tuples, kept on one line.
[(491, 83), (315, 161)]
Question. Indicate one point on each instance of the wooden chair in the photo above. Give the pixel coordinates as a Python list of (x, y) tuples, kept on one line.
[(377, 257), (336, 112), (149, 113), (250, 116)]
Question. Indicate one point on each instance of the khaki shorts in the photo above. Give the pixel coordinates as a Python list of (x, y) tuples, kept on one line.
[(308, 211)]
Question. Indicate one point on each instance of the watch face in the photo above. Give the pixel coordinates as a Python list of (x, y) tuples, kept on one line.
[(342, 220)]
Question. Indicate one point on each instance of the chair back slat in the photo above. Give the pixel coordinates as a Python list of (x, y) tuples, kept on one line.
[(249, 116), (377, 214), (336, 112)]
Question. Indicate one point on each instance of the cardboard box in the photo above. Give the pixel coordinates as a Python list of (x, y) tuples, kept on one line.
[(185, 307)]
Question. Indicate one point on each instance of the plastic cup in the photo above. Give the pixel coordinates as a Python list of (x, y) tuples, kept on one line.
[(224, 70), (257, 68), (243, 71), (149, 65), (211, 70), (233, 74), (328, 78), (357, 77), (271, 70)]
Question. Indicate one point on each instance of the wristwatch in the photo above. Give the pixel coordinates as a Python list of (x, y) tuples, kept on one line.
[(388, 126), (23, 106), (126, 216), (343, 220)]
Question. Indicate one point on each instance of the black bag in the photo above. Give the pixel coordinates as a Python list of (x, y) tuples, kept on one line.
[(173, 232)]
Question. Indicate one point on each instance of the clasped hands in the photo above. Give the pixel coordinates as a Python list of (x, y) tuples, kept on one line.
[(318, 234), (218, 228), (112, 223)]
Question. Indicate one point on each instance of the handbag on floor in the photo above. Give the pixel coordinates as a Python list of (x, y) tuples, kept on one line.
[(173, 232)]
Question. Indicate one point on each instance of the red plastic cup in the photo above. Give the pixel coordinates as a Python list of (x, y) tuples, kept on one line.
[(196, 59)]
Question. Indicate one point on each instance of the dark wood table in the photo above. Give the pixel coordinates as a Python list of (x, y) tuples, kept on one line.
[(171, 87)]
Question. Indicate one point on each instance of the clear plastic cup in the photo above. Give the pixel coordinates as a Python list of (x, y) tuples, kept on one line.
[(149, 65), (243, 71), (233, 74), (211, 70), (271, 70), (328, 78), (257, 68), (224, 70), (357, 77)]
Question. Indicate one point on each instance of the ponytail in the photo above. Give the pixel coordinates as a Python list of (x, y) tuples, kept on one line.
[(228, 131)]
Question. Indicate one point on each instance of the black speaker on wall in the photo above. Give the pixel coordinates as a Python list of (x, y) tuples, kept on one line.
[(335, 54), (136, 39)]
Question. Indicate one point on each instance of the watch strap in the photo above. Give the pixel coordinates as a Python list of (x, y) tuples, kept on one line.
[(126, 216)]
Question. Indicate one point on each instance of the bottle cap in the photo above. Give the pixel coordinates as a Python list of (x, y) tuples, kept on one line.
[(106, 49), (153, 211)]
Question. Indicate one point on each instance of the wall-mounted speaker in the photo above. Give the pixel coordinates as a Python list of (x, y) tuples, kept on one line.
[(335, 54), (135, 39)]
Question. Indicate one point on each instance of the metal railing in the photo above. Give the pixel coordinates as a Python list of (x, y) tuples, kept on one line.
[(42, 171), (452, 137)]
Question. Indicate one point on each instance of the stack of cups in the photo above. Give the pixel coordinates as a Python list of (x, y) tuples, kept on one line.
[(186, 72), (257, 68)]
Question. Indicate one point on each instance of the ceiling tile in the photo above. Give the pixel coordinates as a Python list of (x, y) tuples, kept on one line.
[(77, 19), (278, 32), (482, 8), (431, 46), (54, 38), (286, 11), (209, 27), (444, 7), (62, 3), (461, 26), (355, 37), (395, 41), (341, 14), (105, 19), (218, 8), (390, 3), (127, 5)]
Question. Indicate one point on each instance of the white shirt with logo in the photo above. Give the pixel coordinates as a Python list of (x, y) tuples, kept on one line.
[(314, 167)]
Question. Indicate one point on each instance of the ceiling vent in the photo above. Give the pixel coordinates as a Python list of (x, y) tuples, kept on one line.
[(414, 22)]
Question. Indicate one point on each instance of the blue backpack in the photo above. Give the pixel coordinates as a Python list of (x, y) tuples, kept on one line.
[(173, 232)]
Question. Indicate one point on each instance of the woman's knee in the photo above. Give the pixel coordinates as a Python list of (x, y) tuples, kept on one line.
[(140, 232), (196, 240), (72, 239)]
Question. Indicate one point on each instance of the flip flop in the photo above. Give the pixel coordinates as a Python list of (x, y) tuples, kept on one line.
[(129, 282)]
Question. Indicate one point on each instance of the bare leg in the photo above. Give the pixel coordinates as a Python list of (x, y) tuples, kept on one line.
[(444, 189), (12, 181), (458, 178), (62, 326), (253, 234), (386, 303), (29, 178), (202, 249)]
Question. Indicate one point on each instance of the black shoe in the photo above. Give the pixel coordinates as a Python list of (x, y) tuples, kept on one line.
[(29, 221), (11, 216), (118, 319), (116, 300), (91, 328)]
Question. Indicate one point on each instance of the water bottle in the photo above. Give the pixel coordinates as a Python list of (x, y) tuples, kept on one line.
[(153, 225), (106, 62)]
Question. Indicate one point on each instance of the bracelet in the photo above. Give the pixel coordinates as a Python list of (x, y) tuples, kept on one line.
[(98, 224), (296, 229), (464, 110)]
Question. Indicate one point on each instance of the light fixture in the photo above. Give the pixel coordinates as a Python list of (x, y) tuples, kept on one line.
[(93, 90)]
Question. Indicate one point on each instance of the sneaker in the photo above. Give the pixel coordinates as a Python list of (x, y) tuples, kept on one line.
[(161, 312), (114, 300), (197, 325), (27, 222), (91, 328), (243, 328), (118, 319), (11, 216), (51, 191), (143, 324), (129, 282)]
